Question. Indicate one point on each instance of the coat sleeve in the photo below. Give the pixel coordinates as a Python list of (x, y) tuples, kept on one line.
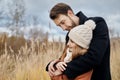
[(47, 66), (94, 55)]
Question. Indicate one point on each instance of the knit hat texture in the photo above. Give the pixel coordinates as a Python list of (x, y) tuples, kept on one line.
[(82, 34)]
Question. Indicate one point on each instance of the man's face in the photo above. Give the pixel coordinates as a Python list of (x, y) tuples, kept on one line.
[(65, 22)]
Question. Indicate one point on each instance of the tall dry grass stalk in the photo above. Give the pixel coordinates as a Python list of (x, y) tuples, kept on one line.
[(29, 61), (115, 59)]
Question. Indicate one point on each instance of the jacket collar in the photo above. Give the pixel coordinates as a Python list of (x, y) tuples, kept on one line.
[(82, 17)]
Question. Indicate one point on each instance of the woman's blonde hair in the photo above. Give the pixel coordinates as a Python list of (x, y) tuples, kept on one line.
[(77, 51)]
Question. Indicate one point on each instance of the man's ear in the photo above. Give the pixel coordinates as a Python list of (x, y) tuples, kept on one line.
[(70, 13)]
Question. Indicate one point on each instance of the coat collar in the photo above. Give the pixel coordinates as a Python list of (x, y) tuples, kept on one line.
[(82, 17)]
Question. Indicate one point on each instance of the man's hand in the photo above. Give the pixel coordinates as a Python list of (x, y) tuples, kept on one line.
[(51, 68), (61, 66)]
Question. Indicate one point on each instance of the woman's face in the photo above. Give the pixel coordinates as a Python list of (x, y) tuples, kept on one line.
[(75, 49), (72, 45)]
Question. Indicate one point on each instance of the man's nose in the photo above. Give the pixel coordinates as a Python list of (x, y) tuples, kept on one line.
[(63, 27)]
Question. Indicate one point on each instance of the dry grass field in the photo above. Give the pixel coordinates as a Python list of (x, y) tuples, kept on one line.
[(26, 60), (115, 58)]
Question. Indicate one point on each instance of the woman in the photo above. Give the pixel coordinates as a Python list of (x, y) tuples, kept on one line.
[(78, 44)]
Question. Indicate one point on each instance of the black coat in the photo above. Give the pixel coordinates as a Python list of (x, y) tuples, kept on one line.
[(98, 55)]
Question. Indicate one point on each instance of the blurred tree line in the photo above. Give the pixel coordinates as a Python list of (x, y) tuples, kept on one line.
[(15, 19)]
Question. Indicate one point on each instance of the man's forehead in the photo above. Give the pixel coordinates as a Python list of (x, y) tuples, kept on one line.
[(59, 19)]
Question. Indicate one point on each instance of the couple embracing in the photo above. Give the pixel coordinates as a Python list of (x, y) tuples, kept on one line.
[(87, 52)]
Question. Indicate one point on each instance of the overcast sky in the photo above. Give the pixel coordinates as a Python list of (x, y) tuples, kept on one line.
[(108, 9)]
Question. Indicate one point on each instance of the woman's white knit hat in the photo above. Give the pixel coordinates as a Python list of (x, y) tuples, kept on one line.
[(82, 34)]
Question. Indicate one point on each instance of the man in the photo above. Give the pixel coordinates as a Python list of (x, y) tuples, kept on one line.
[(98, 55)]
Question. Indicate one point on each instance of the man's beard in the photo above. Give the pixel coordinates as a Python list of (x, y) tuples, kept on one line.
[(72, 22)]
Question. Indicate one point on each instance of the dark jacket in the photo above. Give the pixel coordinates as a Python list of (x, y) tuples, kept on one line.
[(98, 55)]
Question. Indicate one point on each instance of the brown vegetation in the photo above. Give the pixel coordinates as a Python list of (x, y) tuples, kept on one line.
[(21, 59)]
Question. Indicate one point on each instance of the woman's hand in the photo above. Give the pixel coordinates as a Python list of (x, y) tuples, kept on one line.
[(61, 66)]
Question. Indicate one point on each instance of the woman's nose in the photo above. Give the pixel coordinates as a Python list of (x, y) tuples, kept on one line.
[(68, 44)]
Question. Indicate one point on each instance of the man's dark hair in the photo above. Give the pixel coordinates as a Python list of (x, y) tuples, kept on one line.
[(60, 8)]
